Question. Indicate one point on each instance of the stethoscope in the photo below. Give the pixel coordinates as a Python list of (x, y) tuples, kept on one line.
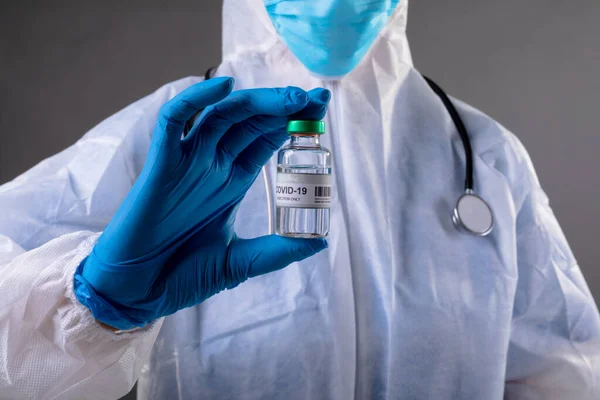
[(471, 215)]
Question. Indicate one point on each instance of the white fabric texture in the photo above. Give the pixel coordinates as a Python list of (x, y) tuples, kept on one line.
[(401, 305), (50, 345)]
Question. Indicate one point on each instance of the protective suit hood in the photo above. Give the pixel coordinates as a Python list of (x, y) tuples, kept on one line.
[(247, 29)]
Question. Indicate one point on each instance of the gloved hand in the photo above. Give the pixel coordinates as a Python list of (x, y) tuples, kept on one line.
[(172, 244)]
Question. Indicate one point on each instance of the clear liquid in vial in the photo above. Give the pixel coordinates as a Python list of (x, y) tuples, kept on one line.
[(304, 182), (302, 222)]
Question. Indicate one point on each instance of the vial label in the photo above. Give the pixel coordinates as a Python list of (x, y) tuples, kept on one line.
[(303, 190)]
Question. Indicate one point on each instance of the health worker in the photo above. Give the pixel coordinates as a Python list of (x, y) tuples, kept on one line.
[(141, 253)]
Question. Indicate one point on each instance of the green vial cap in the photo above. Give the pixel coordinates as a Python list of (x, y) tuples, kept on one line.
[(306, 126)]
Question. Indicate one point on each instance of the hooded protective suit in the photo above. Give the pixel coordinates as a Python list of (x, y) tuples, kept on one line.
[(401, 305)]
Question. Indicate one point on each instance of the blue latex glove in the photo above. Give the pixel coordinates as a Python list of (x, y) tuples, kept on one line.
[(172, 244)]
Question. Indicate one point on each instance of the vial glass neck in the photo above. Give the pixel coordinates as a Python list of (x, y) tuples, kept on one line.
[(305, 140)]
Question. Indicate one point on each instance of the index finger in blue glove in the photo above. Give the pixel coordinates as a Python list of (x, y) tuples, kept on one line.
[(175, 113), (317, 105), (261, 150), (244, 104), (243, 134)]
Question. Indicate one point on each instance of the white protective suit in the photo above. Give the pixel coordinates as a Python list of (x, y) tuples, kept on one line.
[(401, 305)]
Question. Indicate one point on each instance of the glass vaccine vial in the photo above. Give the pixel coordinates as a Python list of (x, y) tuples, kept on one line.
[(304, 183)]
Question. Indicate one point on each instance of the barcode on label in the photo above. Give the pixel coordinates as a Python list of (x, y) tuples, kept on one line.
[(322, 191)]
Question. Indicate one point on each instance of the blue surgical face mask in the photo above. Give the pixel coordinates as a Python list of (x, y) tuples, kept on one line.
[(329, 37)]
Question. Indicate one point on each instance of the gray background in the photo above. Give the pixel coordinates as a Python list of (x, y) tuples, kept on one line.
[(533, 65)]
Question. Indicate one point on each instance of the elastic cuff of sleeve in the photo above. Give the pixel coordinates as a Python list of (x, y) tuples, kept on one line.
[(102, 309), (77, 321)]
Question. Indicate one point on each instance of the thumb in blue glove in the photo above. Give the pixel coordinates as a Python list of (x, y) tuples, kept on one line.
[(172, 244)]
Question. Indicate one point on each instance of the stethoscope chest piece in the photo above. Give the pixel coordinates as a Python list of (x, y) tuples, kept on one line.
[(473, 215)]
